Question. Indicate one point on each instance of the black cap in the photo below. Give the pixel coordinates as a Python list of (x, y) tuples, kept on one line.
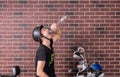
[(36, 34)]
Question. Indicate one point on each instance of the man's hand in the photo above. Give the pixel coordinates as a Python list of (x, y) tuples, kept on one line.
[(53, 27)]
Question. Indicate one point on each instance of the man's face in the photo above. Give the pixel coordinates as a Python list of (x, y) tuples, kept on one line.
[(45, 32)]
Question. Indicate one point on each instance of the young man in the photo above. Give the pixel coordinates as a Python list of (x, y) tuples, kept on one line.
[(45, 55)]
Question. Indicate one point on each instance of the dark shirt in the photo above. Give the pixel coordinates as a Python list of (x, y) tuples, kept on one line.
[(47, 55)]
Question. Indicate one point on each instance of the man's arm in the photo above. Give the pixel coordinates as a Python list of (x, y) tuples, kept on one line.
[(40, 67), (58, 34)]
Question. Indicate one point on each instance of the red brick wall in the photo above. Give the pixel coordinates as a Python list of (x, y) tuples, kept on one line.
[(92, 24)]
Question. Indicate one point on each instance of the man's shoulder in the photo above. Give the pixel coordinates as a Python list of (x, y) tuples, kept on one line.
[(41, 47)]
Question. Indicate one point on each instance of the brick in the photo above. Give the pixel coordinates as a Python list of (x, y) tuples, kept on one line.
[(99, 21), (104, 32), (94, 39), (104, 25), (105, 9), (99, 59), (69, 36), (90, 44), (18, 36), (114, 24), (94, 1), (73, 32), (114, 47), (118, 13), (114, 55), (117, 36), (69, 13), (22, 1), (89, 13), (18, 59), (18, 13), (105, 2), (110, 28), (99, 28), (117, 74), (110, 5), (49, 6), (110, 13), (69, 6), (104, 55), (75, 25), (116, 1), (100, 5), (109, 59), (94, 17), (22, 47), (83, 32), (109, 43), (0, 36), (115, 9), (109, 21), (68, 59), (22, 25), (74, 1), (94, 55), (94, 25), (86, 41), (115, 17), (114, 62), (3, 5), (84, 2), (24, 70), (84, 17), (105, 17), (89, 6), (117, 21), (115, 40), (73, 47), (109, 66)]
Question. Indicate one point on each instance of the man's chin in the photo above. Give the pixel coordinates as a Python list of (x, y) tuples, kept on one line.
[(49, 36)]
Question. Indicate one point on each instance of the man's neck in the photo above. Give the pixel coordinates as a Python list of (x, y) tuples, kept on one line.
[(46, 43)]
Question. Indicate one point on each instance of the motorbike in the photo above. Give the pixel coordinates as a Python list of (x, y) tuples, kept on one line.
[(15, 72), (83, 68)]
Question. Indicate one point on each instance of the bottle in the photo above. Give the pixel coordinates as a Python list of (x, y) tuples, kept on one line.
[(61, 20), (58, 22)]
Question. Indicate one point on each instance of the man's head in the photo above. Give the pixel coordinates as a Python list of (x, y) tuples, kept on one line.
[(37, 33), (40, 32)]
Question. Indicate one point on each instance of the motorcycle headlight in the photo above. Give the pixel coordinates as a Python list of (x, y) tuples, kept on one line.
[(96, 66)]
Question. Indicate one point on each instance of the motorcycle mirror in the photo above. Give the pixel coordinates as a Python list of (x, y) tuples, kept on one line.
[(80, 49), (16, 71)]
